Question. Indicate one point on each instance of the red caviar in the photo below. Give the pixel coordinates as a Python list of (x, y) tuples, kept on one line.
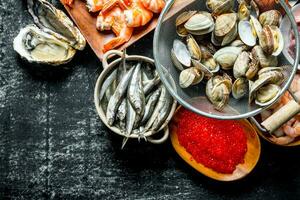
[(217, 144)]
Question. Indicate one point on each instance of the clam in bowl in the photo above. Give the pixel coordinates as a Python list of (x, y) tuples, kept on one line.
[(230, 37)]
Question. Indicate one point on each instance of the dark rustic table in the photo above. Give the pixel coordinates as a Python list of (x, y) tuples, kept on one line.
[(53, 145)]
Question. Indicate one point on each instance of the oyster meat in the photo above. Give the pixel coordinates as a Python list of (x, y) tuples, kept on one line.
[(37, 46)]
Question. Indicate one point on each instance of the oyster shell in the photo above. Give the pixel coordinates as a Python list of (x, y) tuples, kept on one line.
[(271, 17), (267, 95), (55, 22), (227, 56), (240, 88), (190, 76), (37, 46), (241, 65), (199, 24)]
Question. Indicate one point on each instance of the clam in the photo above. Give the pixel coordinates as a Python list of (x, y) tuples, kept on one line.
[(193, 47), (254, 8), (56, 23), (241, 65), (239, 43), (271, 40), (181, 53), (190, 76), (219, 7), (243, 11), (240, 88), (181, 20), (218, 89), (225, 23), (256, 26), (267, 95), (199, 24), (268, 77), (264, 60), (271, 17), (230, 36), (212, 65), (253, 68), (176, 62), (206, 52), (37, 46), (208, 67), (227, 56), (217, 41)]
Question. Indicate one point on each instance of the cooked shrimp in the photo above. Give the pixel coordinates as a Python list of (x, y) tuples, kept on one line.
[(110, 4), (282, 140), (155, 6), (68, 2), (94, 5), (292, 128), (114, 20), (137, 15)]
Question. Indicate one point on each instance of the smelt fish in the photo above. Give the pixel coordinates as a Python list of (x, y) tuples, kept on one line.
[(149, 108), (116, 98), (135, 92), (130, 120), (151, 84), (105, 86)]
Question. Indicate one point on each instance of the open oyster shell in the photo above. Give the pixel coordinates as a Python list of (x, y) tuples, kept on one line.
[(55, 22), (37, 46)]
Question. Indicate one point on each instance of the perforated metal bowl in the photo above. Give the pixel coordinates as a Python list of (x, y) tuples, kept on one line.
[(194, 98)]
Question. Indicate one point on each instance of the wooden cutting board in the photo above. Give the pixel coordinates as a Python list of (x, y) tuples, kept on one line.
[(86, 22)]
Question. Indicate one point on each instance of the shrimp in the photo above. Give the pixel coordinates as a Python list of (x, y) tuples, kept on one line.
[(292, 128), (282, 140), (155, 6), (114, 20), (68, 2), (94, 5), (110, 4), (137, 15)]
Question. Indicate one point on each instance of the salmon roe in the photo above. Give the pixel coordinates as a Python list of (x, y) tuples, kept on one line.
[(217, 144)]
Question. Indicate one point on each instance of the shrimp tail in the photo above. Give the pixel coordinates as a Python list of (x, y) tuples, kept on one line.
[(68, 2), (113, 43)]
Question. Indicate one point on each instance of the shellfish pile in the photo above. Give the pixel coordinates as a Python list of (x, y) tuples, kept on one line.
[(231, 52)]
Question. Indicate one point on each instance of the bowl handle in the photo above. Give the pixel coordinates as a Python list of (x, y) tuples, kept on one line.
[(110, 54), (161, 140), (283, 115)]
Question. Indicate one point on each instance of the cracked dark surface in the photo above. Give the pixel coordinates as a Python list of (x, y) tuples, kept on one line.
[(53, 145)]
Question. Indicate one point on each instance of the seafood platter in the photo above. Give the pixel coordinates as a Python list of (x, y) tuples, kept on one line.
[(230, 64)]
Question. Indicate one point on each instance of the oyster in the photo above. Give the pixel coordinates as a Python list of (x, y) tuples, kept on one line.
[(264, 60), (240, 88), (55, 22), (200, 24), (271, 17), (190, 76), (181, 54), (227, 56), (241, 65), (218, 89), (271, 40), (267, 95), (193, 48), (37, 46)]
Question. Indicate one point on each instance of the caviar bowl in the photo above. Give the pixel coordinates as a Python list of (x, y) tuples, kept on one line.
[(242, 170), (194, 98)]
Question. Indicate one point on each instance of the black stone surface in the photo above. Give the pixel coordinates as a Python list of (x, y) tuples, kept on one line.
[(53, 145)]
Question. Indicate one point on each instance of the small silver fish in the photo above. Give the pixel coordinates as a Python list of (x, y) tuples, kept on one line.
[(135, 92), (122, 110), (148, 87), (115, 100), (149, 108), (160, 105), (130, 120), (106, 84)]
